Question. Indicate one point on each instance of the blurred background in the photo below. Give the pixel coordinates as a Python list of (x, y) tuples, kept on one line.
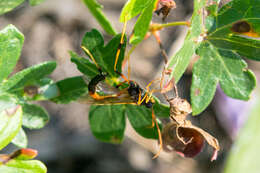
[(66, 144)]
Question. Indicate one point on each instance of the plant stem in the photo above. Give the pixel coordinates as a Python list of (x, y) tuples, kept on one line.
[(157, 26), (164, 25)]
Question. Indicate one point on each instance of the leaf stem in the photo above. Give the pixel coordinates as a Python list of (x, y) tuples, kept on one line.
[(164, 25), (157, 26)]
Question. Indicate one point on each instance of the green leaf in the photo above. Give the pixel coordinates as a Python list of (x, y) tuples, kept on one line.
[(142, 25), (11, 43), (20, 140), (34, 116), (134, 7), (104, 55), (249, 48), (84, 65), (10, 124), (140, 118), (46, 91), (219, 54), (244, 155), (212, 8), (8, 5), (70, 89), (161, 110), (180, 61), (236, 22), (28, 76), (219, 51), (23, 166), (217, 65), (6, 101), (205, 77), (107, 122), (35, 2), (95, 8), (43, 89)]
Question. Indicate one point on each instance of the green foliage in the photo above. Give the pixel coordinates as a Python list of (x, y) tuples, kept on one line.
[(220, 51), (220, 38), (47, 90), (134, 7), (11, 121), (34, 116), (20, 140), (222, 33), (70, 89), (95, 8), (141, 120), (131, 9), (180, 61), (244, 155), (160, 109), (223, 66), (35, 2), (11, 43), (6, 102), (20, 161), (84, 65), (15, 91), (23, 166), (107, 122), (104, 55), (28, 76), (8, 5)]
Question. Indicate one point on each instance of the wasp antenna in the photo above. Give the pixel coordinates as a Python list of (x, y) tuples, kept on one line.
[(91, 56), (120, 44)]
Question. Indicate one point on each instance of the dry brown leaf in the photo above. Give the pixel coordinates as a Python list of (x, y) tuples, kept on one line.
[(181, 136), (179, 109)]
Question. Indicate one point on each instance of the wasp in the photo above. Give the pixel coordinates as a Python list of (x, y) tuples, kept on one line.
[(132, 94)]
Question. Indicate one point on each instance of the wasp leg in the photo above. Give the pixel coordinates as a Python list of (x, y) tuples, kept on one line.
[(159, 135), (121, 83), (123, 76), (96, 96), (128, 61), (140, 99), (148, 94)]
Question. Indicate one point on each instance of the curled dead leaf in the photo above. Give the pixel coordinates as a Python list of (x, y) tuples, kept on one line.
[(187, 140)]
